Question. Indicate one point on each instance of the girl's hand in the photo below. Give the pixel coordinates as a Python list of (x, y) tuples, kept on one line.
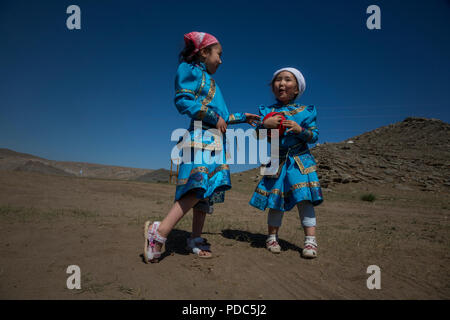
[(273, 122), (293, 126), (252, 119), (221, 125)]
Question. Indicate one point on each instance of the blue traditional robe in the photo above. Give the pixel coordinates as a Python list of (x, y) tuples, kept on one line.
[(296, 179), (199, 97)]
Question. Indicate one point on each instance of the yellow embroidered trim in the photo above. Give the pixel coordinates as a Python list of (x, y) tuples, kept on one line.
[(207, 100), (204, 170), (216, 144), (199, 169), (219, 168), (313, 184), (231, 118), (295, 111), (185, 91), (204, 146), (304, 170), (265, 193), (211, 93), (292, 112), (202, 112), (199, 92)]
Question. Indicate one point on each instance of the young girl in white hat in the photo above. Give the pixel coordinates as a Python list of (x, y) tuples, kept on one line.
[(296, 182)]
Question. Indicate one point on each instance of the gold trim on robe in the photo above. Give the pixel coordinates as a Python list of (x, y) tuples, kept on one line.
[(202, 84), (211, 93), (207, 100), (295, 111), (312, 184), (302, 168), (204, 170), (185, 91)]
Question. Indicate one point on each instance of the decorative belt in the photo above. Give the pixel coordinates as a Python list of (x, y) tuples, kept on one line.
[(284, 152), (291, 151)]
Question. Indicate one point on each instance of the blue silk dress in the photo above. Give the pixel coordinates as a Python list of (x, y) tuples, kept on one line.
[(199, 97), (296, 179)]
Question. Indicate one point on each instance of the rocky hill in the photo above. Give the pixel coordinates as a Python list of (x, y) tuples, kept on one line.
[(409, 155)]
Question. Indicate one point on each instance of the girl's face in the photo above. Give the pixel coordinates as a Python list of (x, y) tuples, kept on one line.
[(285, 87), (212, 58)]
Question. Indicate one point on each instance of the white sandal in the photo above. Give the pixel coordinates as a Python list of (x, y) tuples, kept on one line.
[(151, 236), (197, 245), (273, 246), (310, 249)]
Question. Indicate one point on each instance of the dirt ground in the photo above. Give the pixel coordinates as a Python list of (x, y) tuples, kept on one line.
[(48, 223)]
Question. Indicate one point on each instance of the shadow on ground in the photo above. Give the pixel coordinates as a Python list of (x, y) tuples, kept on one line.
[(256, 240), (176, 242)]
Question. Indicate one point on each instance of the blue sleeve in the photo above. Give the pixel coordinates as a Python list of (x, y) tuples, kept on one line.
[(310, 133), (262, 111), (189, 83), (238, 117)]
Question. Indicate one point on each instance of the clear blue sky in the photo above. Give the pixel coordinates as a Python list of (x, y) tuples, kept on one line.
[(104, 94)]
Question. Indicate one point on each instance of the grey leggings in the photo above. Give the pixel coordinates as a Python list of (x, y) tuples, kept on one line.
[(305, 212)]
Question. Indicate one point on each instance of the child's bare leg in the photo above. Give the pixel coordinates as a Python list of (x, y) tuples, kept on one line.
[(198, 221), (272, 229), (310, 231), (178, 210)]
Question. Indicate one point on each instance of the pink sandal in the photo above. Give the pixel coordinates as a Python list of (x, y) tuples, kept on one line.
[(152, 236)]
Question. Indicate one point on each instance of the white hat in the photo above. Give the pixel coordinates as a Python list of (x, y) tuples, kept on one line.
[(298, 75)]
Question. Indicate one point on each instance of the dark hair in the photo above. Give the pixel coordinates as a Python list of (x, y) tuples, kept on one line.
[(184, 55)]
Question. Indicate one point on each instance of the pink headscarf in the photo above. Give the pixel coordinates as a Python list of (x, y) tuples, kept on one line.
[(200, 40)]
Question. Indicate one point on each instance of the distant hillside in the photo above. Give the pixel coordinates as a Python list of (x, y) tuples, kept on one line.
[(7, 153), (12, 160), (160, 175), (412, 154), (41, 167)]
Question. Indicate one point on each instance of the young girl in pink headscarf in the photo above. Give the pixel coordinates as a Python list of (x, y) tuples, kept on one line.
[(200, 183)]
